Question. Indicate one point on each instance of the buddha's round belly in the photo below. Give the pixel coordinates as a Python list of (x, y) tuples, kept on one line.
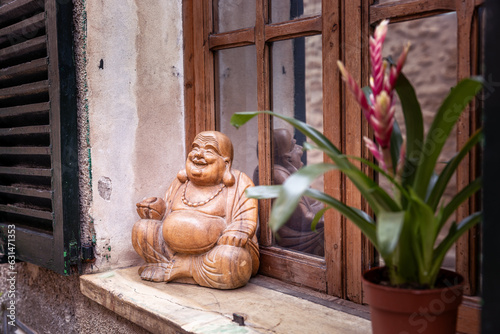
[(191, 231)]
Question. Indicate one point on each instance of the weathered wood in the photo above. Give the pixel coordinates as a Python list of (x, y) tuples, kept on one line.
[(189, 74), (23, 29), (233, 39), (208, 28), (25, 130), (22, 70), (32, 45), (293, 29), (352, 140), (39, 87), (26, 211), (64, 133), (265, 139), (333, 130), (25, 110), (293, 267), (467, 46), (405, 10), (469, 316), (164, 308), (25, 150), (368, 258), (22, 191)]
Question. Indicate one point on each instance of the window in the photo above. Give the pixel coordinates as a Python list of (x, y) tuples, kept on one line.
[(242, 55), (38, 133)]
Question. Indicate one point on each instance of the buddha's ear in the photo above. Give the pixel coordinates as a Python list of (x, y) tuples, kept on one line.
[(182, 175), (228, 178)]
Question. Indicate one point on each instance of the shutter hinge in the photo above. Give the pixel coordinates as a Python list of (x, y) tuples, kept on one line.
[(73, 252), (88, 254)]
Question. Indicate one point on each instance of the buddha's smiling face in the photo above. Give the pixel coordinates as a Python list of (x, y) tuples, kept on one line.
[(206, 164)]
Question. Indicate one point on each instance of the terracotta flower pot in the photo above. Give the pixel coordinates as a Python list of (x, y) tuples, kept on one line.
[(408, 311)]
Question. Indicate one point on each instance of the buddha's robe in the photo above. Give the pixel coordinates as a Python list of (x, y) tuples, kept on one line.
[(194, 233)]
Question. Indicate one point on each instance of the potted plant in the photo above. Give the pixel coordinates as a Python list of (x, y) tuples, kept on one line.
[(409, 218)]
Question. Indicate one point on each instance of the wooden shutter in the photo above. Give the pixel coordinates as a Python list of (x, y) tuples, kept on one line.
[(38, 133)]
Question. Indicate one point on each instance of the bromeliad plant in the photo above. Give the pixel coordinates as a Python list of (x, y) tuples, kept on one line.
[(408, 221)]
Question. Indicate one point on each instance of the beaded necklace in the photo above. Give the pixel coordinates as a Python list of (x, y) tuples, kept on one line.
[(188, 203)]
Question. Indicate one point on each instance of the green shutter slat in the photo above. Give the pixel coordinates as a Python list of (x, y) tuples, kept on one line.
[(25, 110), (26, 211), (25, 150), (25, 171), (30, 68), (19, 8), (30, 46), (25, 90), (25, 130), (18, 30), (13, 190)]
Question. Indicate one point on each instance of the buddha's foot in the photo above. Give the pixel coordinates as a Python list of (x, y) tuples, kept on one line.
[(178, 267), (155, 272)]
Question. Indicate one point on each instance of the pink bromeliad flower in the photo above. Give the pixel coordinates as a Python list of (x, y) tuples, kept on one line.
[(379, 108)]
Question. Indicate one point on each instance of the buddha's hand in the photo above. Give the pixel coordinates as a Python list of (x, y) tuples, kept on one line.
[(233, 238), (151, 208)]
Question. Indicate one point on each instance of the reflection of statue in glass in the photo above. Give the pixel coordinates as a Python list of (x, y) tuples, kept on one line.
[(296, 233), (204, 230)]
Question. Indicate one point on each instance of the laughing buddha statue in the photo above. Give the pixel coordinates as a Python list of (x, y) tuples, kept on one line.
[(203, 232)]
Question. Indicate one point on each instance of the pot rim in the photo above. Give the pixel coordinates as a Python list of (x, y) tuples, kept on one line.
[(456, 285)]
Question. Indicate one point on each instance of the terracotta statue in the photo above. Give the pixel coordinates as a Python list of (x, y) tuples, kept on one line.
[(296, 234), (204, 231)]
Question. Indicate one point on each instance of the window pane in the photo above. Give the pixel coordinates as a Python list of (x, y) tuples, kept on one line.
[(234, 14), (285, 10), (237, 91), (431, 67), (297, 92)]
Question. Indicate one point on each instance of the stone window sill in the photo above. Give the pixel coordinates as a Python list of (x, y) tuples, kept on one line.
[(185, 308)]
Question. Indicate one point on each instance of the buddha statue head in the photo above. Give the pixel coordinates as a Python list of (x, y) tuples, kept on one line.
[(209, 161), (286, 151)]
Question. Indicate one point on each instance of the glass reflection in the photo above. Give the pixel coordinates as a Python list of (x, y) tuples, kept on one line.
[(296, 234), (236, 87), (234, 14), (297, 92), (285, 10)]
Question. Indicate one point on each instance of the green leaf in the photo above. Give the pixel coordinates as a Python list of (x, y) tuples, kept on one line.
[(263, 192), (382, 172), (240, 118), (389, 226), (425, 232), (458, 199), (317, 217), (444, 178), (376, 197), (292, 190), (362, 220), (396, 142), (414, 127), (440, 129), (454, 233)]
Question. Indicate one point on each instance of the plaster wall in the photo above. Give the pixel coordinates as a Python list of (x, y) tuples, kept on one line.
[(134, 73)]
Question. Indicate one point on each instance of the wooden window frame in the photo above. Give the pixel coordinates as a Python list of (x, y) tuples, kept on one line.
[(59, 248), (342, 22)]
